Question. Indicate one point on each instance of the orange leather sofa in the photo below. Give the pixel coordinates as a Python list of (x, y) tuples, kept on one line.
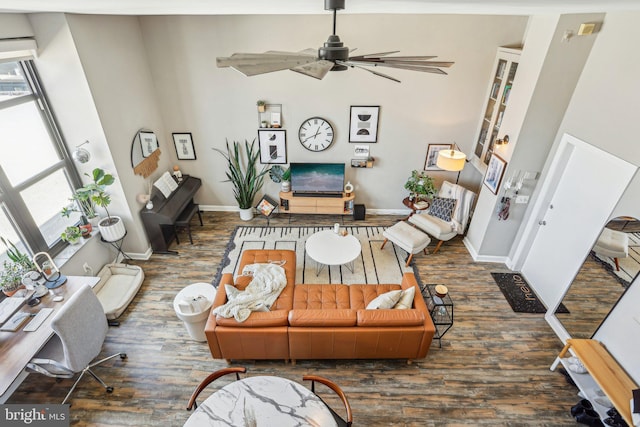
[(320, 321)]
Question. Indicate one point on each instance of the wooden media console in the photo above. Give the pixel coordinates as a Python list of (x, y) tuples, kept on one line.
[(317, 205)]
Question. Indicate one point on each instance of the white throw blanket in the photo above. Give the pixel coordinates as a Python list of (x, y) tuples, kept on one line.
[(268, 282)]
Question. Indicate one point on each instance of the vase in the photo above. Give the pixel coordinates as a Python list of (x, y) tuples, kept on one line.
[(246, 214), (285, 187), (112, 228)]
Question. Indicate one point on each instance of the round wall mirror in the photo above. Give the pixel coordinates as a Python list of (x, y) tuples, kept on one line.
[(145, 153)]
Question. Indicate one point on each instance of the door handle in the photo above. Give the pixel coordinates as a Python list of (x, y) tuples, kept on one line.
[(542, 222)]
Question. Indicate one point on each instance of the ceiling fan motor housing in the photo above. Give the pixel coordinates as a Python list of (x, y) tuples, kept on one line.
[(334, 50), (334, 4)]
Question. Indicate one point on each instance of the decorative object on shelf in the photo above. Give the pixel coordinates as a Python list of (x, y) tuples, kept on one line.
[(71, 234), (348, 189), (430, 162), (281, 176), (273, 146), (316, 134), (177, 174), (141, 164), (363, 123), (275, 120), (495, 170), (81, 155), (362, 162), (333, 56), (420, 186), (183, 142), (264, 124), (261, 106), (247, 180)]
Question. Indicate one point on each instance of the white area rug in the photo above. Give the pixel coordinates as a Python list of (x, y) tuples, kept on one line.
[(629, 266), (373, 266)]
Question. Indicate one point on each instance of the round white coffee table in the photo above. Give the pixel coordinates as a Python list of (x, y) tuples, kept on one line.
[(329, 248)]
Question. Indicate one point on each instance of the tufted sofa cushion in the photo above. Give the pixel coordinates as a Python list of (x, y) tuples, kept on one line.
[(311, 317), (321, 297)]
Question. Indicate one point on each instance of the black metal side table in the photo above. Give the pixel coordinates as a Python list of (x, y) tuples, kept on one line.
[(441, 309)]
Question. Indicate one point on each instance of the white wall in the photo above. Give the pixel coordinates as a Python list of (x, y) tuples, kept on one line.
[(603, 112), (217, 104)]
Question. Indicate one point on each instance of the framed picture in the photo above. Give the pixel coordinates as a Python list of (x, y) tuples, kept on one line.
[(495, 171), (363, 123), (184, 145), (148, 143), (273, 146), (432, 156), (266, 205)]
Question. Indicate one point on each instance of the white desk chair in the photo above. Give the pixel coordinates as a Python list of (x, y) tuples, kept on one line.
[(80, 329)]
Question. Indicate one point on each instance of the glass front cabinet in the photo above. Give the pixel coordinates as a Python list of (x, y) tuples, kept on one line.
[(504, 72)]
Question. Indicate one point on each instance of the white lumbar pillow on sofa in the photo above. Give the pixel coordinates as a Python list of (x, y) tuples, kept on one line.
[(386, 300), (406, 299)]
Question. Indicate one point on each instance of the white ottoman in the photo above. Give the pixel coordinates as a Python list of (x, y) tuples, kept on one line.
[(407, 237), (614, 244)]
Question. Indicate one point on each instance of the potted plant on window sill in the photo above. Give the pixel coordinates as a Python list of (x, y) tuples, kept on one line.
[(72, 234), (14, 268), (245, 177)]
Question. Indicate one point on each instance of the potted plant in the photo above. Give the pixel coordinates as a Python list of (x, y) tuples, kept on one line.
[(244, 176), (13, 269), (420, 186), (72, 234), (281, 176), (112, 227), (83, 204), (261, 106)]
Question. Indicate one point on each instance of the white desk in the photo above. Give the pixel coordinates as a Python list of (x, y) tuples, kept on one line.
[(329, 248), (262, 401), (18, 348)]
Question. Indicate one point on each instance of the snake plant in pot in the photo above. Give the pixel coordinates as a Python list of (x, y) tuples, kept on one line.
[(242, 172)]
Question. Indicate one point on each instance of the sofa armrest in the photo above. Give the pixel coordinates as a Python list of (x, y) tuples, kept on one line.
[(390, 317), (322, 317)]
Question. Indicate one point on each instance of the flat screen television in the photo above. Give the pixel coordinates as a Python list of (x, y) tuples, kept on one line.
[(317, 179)]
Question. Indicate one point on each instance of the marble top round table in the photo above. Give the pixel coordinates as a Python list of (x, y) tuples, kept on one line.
[(330, 248), (262, 401)]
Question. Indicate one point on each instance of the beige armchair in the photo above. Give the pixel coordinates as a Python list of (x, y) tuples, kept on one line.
[(435, 220)]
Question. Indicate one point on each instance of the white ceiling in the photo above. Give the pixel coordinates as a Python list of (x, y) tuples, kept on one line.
[(242, 7)]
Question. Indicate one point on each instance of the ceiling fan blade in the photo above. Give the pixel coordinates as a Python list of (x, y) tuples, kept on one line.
[(374, 55), (352, 65), (425, 68), (316, 69), (251, 64)]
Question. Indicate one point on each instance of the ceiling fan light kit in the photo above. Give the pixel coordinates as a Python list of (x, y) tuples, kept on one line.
[(332, 56)]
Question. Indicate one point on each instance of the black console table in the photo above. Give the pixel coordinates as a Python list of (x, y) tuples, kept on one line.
[(159, 222)]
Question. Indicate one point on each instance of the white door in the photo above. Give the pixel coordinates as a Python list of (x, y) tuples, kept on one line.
[(586, 184)]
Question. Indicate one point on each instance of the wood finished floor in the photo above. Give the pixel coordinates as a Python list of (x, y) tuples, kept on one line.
[(492, 369)]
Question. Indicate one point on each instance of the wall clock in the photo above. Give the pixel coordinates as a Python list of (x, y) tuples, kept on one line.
[(316, 134)]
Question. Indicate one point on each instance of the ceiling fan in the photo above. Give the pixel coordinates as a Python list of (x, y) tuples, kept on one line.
[(332, 56)]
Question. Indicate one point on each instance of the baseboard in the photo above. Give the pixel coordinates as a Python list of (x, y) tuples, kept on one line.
[(483, 258), (140, 256), (220, 208)]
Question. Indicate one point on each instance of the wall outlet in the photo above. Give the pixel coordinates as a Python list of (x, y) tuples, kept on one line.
[(87, 268), (522, 199)]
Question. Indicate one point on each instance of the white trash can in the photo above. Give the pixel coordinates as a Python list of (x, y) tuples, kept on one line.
[(192, 305)]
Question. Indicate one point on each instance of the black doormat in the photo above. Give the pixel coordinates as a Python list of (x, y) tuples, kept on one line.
[(520, 295)]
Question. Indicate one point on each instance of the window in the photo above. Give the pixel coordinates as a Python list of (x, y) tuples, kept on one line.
[(37, 176)]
